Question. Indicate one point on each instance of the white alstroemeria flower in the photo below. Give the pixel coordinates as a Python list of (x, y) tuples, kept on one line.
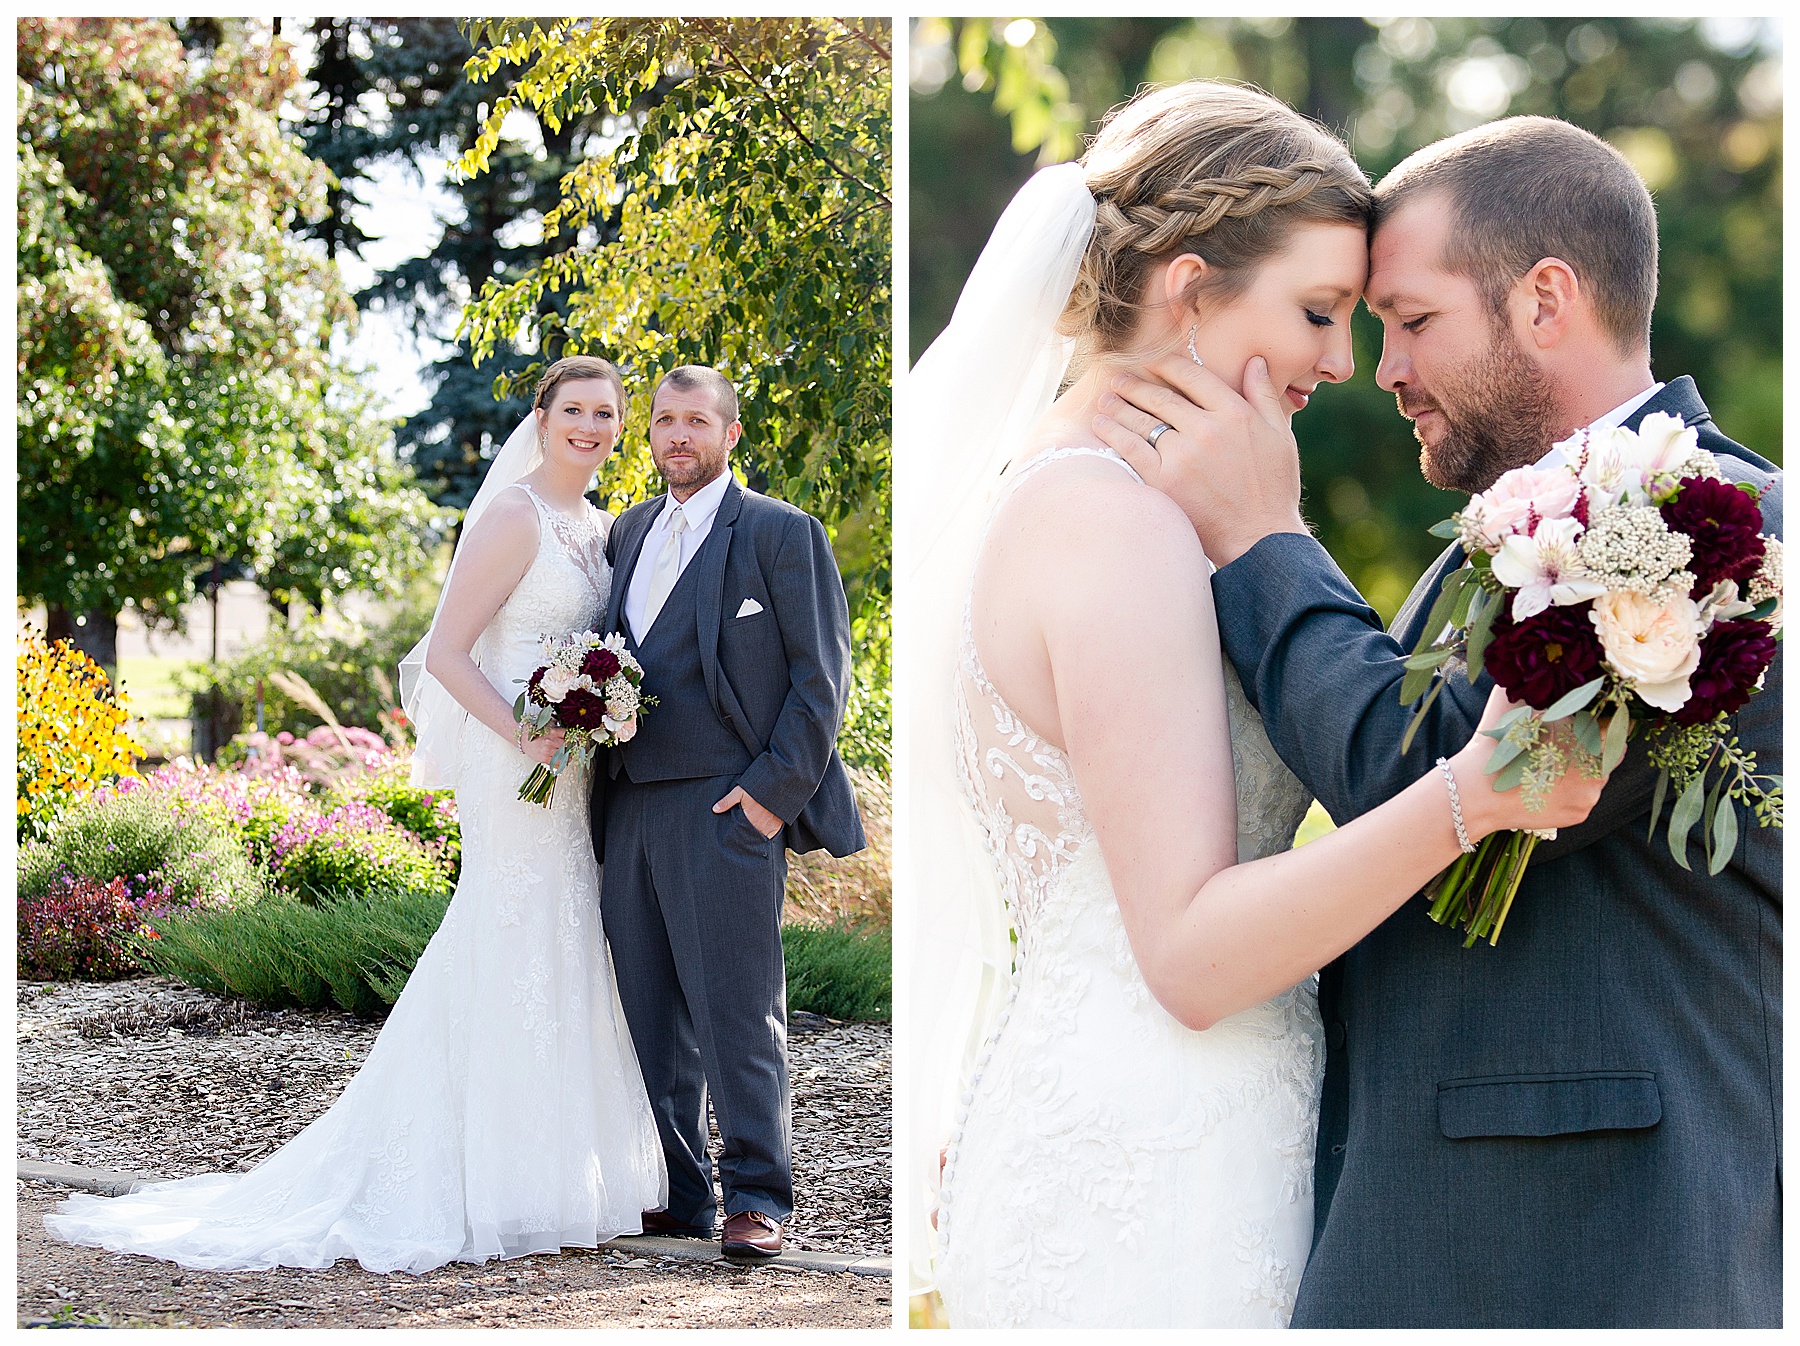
[(1722, 604), (1653, 646), (1663, 443), (1545, 568)]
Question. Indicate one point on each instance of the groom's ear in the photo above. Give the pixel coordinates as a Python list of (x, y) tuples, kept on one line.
[(1544, 302), (733, 433)]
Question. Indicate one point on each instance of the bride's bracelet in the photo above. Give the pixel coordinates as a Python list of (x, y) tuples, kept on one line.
[(1462, 833), (519, 740)]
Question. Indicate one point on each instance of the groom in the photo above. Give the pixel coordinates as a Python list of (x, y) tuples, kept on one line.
[(1582, 1126), (733, 604)]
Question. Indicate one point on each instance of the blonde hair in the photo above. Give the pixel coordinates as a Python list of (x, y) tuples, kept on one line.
[(1219, 170)]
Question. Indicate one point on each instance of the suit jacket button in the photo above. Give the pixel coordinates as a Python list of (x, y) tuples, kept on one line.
[(1334, 1036)]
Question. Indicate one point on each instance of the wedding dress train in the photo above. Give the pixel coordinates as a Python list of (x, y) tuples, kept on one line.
[(501, 1111), (1110, 1167)]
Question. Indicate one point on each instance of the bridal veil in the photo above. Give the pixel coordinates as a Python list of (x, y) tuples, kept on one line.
[(971, 398)]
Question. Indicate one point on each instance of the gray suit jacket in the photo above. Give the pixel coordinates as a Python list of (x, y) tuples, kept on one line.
[(1582, 1126), (782, 685)]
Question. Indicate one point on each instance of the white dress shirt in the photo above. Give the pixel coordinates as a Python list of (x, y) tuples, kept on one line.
[(1617, 416), (699, 510)]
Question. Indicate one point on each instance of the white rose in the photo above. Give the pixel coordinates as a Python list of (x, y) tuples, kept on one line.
[(558, 683), (1653, 646)]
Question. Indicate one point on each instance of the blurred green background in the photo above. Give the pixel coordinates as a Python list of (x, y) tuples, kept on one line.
[(1694, 104)]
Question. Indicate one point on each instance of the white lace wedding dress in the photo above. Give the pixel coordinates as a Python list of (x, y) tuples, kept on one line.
[(1109, 1167), (501, 1111)]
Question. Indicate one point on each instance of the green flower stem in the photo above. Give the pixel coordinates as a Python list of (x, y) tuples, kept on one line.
[(539, 786), (1477, 891)]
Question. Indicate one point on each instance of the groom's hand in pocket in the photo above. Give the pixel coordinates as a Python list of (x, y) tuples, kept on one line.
[(1228, 459), (760, 818)]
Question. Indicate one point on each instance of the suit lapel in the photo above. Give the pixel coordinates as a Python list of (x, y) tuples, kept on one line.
[(632, 545), (709, 585), (1418, 603)]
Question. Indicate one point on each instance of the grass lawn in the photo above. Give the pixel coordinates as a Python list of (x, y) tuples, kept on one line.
[(1315, 825), (149, 684)]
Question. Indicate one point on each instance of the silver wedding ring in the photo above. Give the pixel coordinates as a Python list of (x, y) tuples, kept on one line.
[(1157, 431)]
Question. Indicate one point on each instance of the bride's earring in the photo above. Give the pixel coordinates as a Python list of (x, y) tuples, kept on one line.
[(1193, 354)]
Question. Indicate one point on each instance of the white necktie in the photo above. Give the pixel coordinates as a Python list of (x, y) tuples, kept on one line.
[(668, 569)]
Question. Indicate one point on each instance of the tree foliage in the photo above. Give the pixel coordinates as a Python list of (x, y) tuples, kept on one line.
[(1695, 105), (737, 214), (178, 403)]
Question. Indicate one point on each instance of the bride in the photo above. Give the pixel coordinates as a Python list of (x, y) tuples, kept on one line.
[(1117, 1100), (501, 1111)]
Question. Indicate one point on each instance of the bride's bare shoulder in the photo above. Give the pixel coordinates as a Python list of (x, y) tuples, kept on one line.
[(1091, 509)]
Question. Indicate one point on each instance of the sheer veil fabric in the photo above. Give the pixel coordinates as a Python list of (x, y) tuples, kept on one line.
[(972, 396), (437, 717)]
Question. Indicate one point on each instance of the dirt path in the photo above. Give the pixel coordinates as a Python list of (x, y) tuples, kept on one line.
[(149, 1076)]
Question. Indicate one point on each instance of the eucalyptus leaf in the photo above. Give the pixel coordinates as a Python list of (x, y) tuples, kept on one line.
[(1413, 685), (1429, 659), (1587, 731), (1444, 529), (1504, 752), (1512, 774), (1439, 616), (1724, 835), (1567, 704), (1481, 630), (1656, 801), (1418, 717), (1617, 733), (1686, 813)]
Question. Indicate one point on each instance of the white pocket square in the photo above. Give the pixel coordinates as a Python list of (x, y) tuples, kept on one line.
[(750, 609)]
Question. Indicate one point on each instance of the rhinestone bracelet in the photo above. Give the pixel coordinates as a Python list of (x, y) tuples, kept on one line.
[(1462, 833)]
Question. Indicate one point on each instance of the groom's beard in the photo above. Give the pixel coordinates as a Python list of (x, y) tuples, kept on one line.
[(1499, 413)]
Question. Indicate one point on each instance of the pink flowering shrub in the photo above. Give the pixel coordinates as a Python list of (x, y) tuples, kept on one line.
[(351, 850)]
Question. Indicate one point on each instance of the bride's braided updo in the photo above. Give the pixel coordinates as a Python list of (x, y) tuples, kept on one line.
[(1219, 170)]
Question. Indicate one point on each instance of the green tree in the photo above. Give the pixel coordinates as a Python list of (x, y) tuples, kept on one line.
[(750, 216), (178, 404), (1695, 105)]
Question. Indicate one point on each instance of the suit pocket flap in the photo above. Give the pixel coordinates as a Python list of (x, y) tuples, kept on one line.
[(1548, 1105)]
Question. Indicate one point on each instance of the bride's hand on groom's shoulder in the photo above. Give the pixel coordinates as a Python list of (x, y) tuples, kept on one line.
[(1228, 460)]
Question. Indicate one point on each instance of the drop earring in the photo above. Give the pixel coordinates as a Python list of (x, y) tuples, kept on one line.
[(1193, 354)]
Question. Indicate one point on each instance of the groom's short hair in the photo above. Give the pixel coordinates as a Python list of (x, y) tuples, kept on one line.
[(1526, 188), (689, 377)]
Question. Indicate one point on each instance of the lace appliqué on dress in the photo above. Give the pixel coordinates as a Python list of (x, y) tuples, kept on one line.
[(1109, 1167)]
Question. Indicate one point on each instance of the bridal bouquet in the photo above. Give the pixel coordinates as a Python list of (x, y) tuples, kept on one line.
[(1627, 590), (589, 686)]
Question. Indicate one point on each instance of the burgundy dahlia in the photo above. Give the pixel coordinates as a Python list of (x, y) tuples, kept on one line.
[(600, 664), (580, 709), (534, 691), (1546, 656), (1732, 657), (1725, 526)]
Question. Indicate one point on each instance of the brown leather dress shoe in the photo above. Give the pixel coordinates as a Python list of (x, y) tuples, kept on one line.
[(665, 1224), (750, 1236)]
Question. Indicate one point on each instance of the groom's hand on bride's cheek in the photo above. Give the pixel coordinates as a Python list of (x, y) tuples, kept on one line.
[(1228, 459)]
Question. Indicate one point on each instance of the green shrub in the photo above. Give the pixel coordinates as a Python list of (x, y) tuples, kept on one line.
[(840, 971), (352, 849), (355, 952), (430, 815), (138, 834)]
